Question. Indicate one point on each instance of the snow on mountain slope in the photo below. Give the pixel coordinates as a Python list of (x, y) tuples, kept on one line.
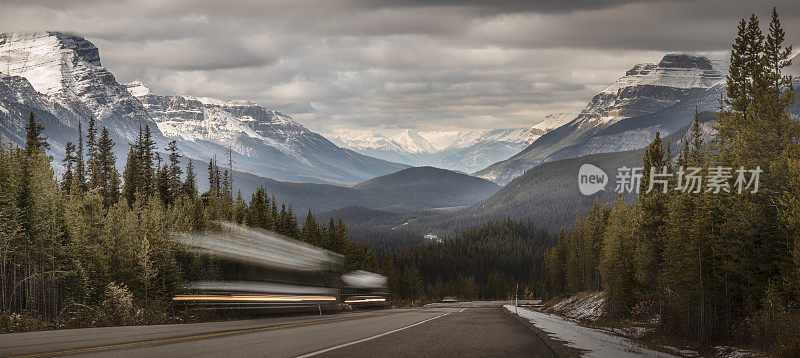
[(66, 68), (465, 151), (553, 121), (267, 142), (441, 140), (412, 142), (60, 78), (18, 99), (649, 87), (625, 114)]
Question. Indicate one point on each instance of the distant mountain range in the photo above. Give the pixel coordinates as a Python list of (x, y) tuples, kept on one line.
[(465, 151), (366, 178), (547, 195), (268, 142), (405, 191), (59, 77), (626, 115)]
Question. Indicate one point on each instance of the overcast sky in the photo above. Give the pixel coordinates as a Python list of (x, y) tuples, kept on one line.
[(382, 66)]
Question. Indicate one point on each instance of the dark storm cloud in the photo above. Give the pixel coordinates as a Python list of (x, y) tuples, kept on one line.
[(387, 64)]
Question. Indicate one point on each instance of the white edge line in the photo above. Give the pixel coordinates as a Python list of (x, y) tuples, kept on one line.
[(463, 309), (369, 338)]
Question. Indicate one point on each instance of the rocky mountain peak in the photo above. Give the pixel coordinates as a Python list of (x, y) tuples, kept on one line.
[(647, 88), (41, 57), (67, 69), (686, 61)]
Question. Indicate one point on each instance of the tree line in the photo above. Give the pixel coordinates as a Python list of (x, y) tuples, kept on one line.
[(92, 248), (715, 266), (485, 262)]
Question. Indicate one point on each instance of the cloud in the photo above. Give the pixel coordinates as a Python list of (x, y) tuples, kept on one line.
[(386, 65)]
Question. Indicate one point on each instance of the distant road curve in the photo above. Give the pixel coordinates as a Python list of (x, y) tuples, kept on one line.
[(451, 330)]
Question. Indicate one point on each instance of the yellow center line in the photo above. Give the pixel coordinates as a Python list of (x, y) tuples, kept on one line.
[(186, 338)]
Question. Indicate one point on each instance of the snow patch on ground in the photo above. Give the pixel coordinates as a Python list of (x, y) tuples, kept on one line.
[(595, 342), (588, 306), (732, 352)]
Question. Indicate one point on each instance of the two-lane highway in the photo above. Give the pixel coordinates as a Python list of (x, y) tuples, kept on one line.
[(463, 330)]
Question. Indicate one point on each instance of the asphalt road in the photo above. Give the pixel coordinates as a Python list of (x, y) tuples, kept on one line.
[(455, 330)]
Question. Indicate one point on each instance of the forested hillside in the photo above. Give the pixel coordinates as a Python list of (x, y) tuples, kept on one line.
[(408, 190), (716, 265), (485, 262), (92, 250)]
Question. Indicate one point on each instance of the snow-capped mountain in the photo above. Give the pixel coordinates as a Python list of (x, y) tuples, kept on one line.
[(465, 151), (625, 115), (60, 78), (552, 121), (67, 70), (413, 142), (267, 142)]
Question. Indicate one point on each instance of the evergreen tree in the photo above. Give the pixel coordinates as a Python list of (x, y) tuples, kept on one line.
[(107, 175), (69, 163), (652, 214), (776, 55), (239, 209), (616, 267), (35, 141), (175, 171), (163, 185), (93, 170), (310, 232), (80, 168), (131, 175), (147, 157), (190, 183), (695, 154)]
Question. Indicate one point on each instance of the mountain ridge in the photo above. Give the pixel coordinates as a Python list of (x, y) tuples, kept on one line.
[(67, 84), (644, 90), (465, 150)]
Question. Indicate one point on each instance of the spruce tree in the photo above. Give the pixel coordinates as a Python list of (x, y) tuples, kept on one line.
[(239, 209), (80, 167), (175, 170), (35, 141), (107, 175), (93, 170), (776, 55), (695, 154), (310, 232), (652, 214), (163, 185), (131, 175), (616, 267), (68, 162), (190, 183), (147, 158)]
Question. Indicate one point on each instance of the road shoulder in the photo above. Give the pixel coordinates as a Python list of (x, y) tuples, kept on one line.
[(559, 347)]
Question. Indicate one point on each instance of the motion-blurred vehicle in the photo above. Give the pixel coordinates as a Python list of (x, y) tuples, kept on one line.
[(364, 289), (449, 299), (261, 269)]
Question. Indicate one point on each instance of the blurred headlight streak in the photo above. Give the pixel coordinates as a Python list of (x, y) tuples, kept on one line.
[(365, 300), (252, 298)]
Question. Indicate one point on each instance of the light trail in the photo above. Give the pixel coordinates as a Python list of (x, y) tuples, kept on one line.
[(252, 298)]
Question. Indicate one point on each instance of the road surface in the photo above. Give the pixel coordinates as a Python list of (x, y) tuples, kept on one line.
[(453, 330)]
